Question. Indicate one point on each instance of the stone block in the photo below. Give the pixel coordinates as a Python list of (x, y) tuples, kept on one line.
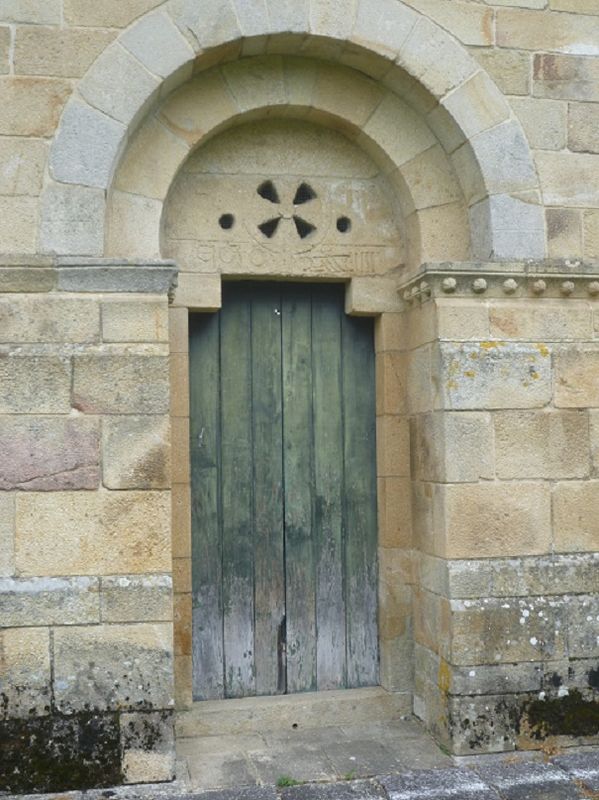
[(594, 434), (395, 514), (135, 321), (23, 162), (496, 679), (491, 375), (434, 59), (29, 319), (199, 106), (590, 233), (72, 220), (120, 384), (418, 380), (58, 52), (18, 224), (158, 44), (564, 232), (346, 94), (178, 321), (180, 447), (136, 598), (86, 146), (461, 319), (198, 291), (118, 85), (37, 602), (181, 516), (34, 384), (501, 577), (116, 276), (566, 77), (182, 624), (576, 516), (384, 27), (148, 747), (262, 85), (583, 127), (552, 320), (510, 69), (365, 297), (5, 44), (452, 447), (288, 16), (443, 232), (393, 446), (26, 676), (583, 626), (7, 534), (472, 25), (575, 6), (577, 377), (565, 178), (31, 11), (541, 444), (183, 682), (490, 520), (179, 381), (49, 454), (544, 122), (214, 24), (515, 781), (430, 180), (506, 155), (182, 575), (109, 13), (508, 630), (133, 226), (32, 106), (159, 146), (136, 452), (93, 533), (527, 30), (391, 382), (113, 667), (481, 96), (394, 115), (252, 16), (508, 227)]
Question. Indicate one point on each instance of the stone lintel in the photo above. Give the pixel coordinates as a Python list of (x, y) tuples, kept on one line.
[(85, 275), (549, 278)]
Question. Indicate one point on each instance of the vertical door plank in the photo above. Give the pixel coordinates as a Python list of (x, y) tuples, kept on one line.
[(360, 502), (299, 481), (236, 488), (327, 310), (269, 551), (207, 628)]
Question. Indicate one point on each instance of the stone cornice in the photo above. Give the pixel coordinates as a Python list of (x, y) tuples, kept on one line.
[(85, 275), (492, 280)]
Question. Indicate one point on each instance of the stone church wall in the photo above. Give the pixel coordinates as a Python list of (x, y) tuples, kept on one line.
[(482, 118)]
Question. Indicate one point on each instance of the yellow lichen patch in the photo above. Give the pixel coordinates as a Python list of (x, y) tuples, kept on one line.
[(491, 345), (543, 350), (470, 373), (451, 384), (444, 677)]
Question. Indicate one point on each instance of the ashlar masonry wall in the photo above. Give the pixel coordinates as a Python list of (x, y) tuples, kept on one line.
[(487, 378), (86, 690), (502, 387)]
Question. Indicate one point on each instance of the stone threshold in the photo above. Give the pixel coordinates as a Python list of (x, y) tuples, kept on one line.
[(298, 712)]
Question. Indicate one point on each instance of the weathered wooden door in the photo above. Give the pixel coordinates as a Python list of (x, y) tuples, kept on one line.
[(283, 493)]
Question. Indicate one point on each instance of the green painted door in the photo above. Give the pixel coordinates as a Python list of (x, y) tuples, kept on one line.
[(283, 493)]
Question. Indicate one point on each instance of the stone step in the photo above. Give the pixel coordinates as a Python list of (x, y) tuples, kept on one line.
[(291, 712)]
